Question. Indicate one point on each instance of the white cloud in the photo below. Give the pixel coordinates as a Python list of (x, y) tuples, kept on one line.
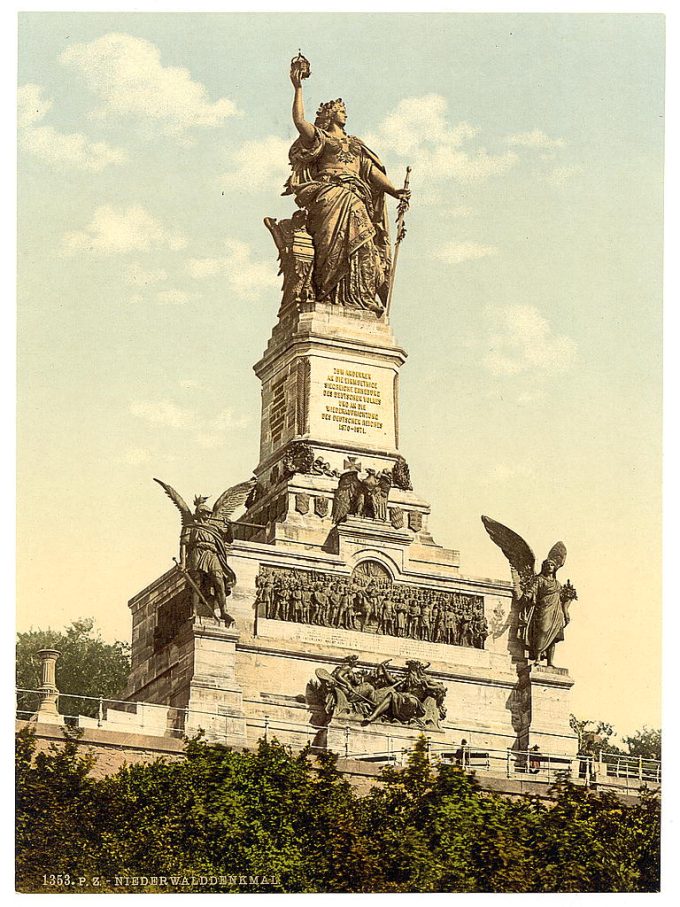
[(444, 162), (73, 149), (458, 211), (258, 165), (418, 120), (245, 276), (418, 129), (32, 105), (165, 297), (528, 397), (200, 268), (535, 139), (137, 276), (561, 175), (126, 74), (174, 297), (505, 472), (216, 433), (521, 340), (118, 231), (207, 433), (162, 412), (454, 252)]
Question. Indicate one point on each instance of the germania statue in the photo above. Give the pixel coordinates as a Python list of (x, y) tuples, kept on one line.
[(341, 185)]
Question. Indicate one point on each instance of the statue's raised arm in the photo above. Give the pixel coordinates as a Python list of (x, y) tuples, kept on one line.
[(299, 70)]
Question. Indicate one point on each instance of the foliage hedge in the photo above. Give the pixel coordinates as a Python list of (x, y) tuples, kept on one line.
[(292, 823)]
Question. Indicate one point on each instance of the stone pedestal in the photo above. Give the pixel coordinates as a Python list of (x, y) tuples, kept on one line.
[(330, 376), (215, 700), (49, 694), (192, 671), (330, 379), (550, 710)]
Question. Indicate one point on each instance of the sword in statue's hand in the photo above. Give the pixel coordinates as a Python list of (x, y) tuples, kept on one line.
[(402, 208), (195, 587)]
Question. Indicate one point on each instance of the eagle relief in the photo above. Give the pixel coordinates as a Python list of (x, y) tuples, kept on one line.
[(362, 497)]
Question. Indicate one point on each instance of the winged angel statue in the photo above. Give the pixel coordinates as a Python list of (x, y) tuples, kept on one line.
[(202, 546), (543, 601)]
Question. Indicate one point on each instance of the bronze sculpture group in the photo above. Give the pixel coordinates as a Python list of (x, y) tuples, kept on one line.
[(542, 601), (373, 693)]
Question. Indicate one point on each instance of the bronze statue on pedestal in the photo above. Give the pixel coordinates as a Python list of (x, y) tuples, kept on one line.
[(543, 601), (203, 554), (341, 186)]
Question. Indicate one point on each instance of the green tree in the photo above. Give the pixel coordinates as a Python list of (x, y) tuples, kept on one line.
[(593, 736), (645, 743), (294, 820), (88, 666), (55, 811), (596, 735)]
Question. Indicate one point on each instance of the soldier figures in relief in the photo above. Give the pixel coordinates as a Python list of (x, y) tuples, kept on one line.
[(543, 601), (369, 603), (341, 184), (202, 547)]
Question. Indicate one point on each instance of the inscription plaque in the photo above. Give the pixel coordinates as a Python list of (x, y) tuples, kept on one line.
[(353, 400)]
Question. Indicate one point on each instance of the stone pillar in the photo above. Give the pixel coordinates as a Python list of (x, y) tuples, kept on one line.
[(49, 694), (550, 709), (215, 701)]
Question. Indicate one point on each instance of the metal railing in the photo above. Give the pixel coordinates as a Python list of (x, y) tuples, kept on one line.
[(625, 773)]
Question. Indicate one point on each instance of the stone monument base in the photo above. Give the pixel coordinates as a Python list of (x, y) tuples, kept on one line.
[(333, 537), (240, 685)]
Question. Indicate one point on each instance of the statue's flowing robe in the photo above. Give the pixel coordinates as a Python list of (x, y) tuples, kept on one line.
[(405, 707), (207, 553), (546, 622), (347, 220)]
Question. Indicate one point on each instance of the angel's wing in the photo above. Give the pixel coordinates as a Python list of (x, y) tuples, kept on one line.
[(558, 554), (513, 546), (179, 502), (232, 498)]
